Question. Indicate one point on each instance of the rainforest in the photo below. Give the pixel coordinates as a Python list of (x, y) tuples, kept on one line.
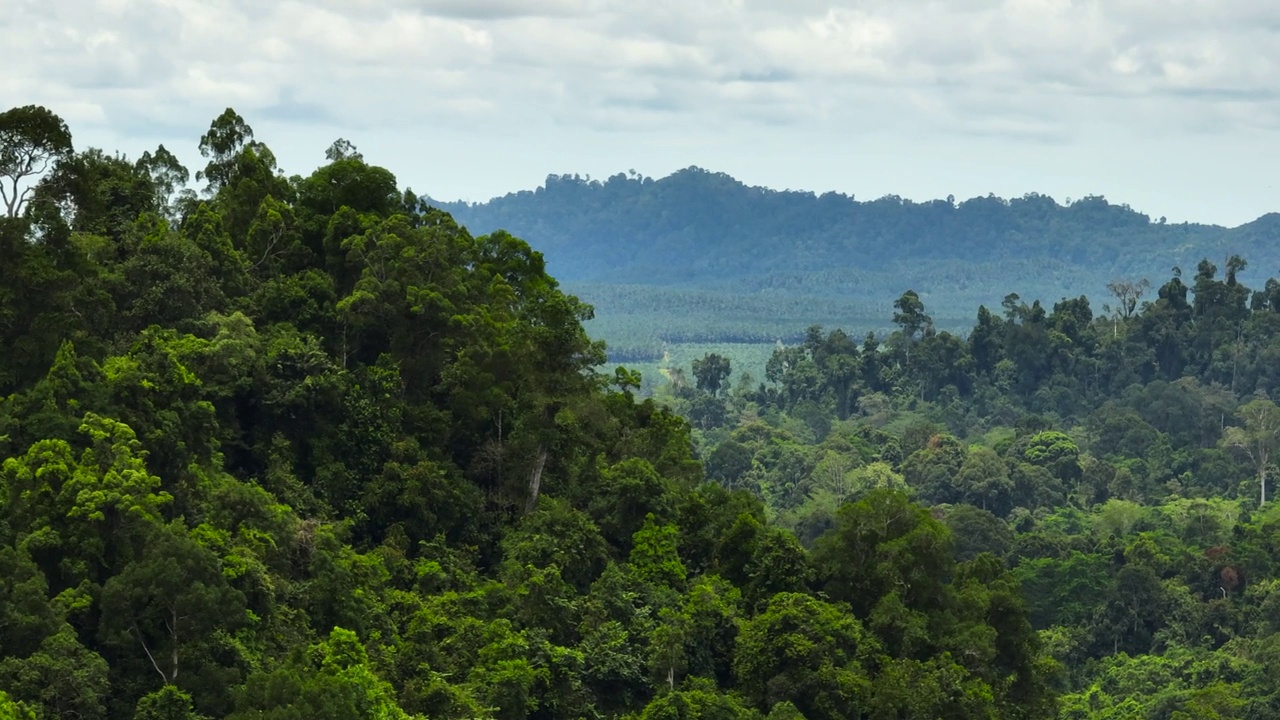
[(280, 447)]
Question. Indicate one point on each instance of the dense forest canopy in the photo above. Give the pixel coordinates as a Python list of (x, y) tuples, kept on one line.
[(1122, 464), (304, 447)]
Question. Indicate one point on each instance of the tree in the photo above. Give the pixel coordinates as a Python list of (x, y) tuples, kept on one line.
[(331, 680), (711, 372), (932, 471), (706, 411), (560, 535), (711, 624), (167, 703), (168, 177), (1127, 294), (31, 139), (63, 677), (910, 315), (26, 616), (1258, 439), (1234, 266), (938, 688), (984, 478), (170, 279), (654, 558), (778, 564), (884, 544), (985, 341), (628, 493), (227, 136), (164, 610), (807, 652), (729, 462), (9, 710), (696, 704), (342, 149), (977, 531), (1054, 451), (94, 193)]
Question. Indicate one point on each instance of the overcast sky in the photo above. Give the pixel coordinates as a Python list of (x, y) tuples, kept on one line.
[(1172, 106)]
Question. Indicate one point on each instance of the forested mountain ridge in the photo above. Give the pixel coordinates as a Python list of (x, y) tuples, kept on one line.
[(698, 242), (707, 229), (303, 447)]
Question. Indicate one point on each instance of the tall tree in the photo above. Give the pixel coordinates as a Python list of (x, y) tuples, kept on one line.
[(1258, 439), (711, 372), (227, 136), (1127, 294), (168, 177), (31, 139), (910, 315)]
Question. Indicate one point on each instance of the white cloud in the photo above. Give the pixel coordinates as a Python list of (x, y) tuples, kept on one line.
[(502, 9), (599, 78)]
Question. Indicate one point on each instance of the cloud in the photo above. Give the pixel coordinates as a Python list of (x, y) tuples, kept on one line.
[(504, 9), (1027, 71), (471, 54)]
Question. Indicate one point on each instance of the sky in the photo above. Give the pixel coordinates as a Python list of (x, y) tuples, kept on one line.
[(1170, 106)]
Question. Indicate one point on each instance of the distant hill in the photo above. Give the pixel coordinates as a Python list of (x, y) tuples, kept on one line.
[(696, 239)]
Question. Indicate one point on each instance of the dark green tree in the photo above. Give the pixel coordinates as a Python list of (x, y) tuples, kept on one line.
[(711, 372)]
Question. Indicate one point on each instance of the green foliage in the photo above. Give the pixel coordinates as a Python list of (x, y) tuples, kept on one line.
[(62, 677), (712, 373), (10, 710), (167, 703), (975, 531), (884, 544), (331, 679), (305, 447), (558, 535), (653, 555), (629, 492), (1258, 439), (806, 652), (31, 137), (696, 704), (1118, 466)]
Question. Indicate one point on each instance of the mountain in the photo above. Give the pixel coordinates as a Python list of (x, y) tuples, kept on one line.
[(696, 239)]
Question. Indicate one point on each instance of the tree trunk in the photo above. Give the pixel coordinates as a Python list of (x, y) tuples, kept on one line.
[(174, 633), (535, 479)]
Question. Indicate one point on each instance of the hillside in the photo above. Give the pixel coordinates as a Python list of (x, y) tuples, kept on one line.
[(697, 240), (303, 447), (300, 448)]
